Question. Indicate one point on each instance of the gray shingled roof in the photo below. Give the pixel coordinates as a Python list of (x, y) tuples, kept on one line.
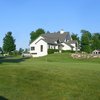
[(69, 45), (54, 37), (72, 41)]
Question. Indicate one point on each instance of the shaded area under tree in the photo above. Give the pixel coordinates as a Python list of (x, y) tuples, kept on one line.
[(11, 59), (3, 98)]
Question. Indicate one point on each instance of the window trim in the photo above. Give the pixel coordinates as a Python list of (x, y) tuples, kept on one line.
[(32, 48), (41, 48)]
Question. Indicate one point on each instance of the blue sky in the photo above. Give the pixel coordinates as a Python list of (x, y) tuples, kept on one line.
[(23, 16)]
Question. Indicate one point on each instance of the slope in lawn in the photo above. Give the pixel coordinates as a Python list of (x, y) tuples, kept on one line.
[(54, 77)]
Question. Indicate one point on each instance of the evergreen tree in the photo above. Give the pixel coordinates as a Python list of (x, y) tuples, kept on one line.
[(9, 43)]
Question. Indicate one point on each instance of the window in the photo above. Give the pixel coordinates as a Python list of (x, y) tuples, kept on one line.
[(32, 48), (34, 53), (41, 48)]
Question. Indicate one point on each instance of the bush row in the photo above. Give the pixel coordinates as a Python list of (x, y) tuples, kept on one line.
[(51, 51)]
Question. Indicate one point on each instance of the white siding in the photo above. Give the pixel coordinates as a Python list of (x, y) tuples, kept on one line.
[(51, 47), (56, 47), (74, 45), (37, 44), (66, 47)]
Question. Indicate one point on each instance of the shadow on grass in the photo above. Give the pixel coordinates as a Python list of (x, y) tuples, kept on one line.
[(3, 98), (11, 60)]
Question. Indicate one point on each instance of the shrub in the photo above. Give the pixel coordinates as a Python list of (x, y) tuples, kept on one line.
[(68, 51), (51, 51)]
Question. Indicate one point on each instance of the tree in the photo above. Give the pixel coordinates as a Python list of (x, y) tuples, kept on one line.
[(48, 32), (86, 39), (1, 51), (26, 50), (75, 37), (96, 41), (9, 43), (20, 51), (36, 34)]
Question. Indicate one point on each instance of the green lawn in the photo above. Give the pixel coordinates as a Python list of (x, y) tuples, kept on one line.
[(54, 77)]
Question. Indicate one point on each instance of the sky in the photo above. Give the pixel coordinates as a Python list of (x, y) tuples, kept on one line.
[(23, 16)]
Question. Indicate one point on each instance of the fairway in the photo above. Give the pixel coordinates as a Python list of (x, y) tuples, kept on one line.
[(54, 77)]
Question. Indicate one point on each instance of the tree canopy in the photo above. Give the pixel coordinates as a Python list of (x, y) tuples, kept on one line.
[(86, 41), (36, 34), (89, 41), (1, 51), (96, 41), (75, 37), (20, 51), (8, 43)]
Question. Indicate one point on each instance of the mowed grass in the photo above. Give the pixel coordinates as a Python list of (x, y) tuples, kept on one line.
[(54, 77)]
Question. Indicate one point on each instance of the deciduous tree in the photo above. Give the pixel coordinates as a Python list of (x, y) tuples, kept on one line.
[(36, 34), (86, 39), (96, 41)]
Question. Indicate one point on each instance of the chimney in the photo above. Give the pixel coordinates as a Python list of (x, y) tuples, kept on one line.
[(62, 31)]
